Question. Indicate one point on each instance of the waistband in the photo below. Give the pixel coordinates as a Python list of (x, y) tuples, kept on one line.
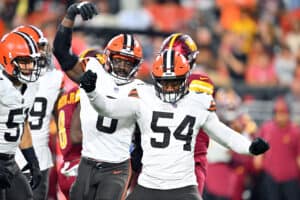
[(4, 156), (101, 164)]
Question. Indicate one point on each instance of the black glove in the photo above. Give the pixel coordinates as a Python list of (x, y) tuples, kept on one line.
[(5, 178), (258, 146), (88, 81), (86, 9), (35, 172)]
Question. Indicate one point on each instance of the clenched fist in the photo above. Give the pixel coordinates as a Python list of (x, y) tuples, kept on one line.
[(86, 9), (258, 146), (88, 81)]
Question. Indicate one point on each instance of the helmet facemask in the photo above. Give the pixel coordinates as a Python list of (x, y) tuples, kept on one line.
[(44, 61), (26, 69), (122, 67), (178, 89)]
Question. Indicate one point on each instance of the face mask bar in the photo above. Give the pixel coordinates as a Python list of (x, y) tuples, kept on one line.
[(24, 74), (122, 76), (171, 96)]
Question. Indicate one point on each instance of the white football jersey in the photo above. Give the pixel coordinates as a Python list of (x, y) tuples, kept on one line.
[(40, 116), (105, 138), (14, 107), (168, 133)]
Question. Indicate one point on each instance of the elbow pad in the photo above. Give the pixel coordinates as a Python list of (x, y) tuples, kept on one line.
[(61, 48)]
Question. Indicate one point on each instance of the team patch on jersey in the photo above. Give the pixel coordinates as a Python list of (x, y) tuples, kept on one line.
[(212, 106), (133, 93)]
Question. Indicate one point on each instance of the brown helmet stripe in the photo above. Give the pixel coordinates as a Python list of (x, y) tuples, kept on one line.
[(31, 44)]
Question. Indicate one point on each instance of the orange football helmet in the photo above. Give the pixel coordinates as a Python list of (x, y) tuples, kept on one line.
[(41, 41), (19, 55), (126, 49), (182, 43), (170, 72)]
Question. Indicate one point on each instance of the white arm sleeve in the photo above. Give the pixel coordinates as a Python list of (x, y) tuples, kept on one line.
[(226, 136), (113, 108)]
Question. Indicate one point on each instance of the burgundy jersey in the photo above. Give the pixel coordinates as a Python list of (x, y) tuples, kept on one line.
[(66, 106), (201, 83)]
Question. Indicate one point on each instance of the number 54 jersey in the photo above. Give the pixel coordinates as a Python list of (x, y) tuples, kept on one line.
[(106, 139), (168, 133)]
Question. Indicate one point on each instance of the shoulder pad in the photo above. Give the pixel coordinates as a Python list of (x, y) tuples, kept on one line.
[(200, 86)]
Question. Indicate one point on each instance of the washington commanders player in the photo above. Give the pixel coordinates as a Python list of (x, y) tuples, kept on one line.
[(69, 138), (18, 74), (104, 170), (40, 115), (169, 118)]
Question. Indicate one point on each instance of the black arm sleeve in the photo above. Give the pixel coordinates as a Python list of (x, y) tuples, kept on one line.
[(62, 48)]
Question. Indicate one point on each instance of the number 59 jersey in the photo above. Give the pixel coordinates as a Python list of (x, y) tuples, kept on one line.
[(40, 114), (104, 138), (14, 107), (168, 133)]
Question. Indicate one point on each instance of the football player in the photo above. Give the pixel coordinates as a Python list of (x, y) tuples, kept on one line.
[(169, 118), (69, 138), (18, 74), (50, 87), (198, 82), (104, 170)]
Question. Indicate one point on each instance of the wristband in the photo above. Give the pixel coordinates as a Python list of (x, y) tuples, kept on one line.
[(29, 154)]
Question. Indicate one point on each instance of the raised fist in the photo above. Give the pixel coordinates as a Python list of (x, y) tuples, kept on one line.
[(258, 146), (88, 81), (86, 9)]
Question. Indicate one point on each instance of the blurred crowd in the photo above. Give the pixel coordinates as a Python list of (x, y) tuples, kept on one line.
[(249, 48)]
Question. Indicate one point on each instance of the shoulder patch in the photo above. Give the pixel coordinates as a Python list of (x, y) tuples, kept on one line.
[(133, 93), (213, 106), (201, 86)]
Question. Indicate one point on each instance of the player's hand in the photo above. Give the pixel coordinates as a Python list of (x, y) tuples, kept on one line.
[(35, 173), (258, 146), (88, 81), (86, 9), (5, 178)]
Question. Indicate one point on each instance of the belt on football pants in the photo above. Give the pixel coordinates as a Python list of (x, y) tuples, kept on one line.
[(100, 164), (4, 156)]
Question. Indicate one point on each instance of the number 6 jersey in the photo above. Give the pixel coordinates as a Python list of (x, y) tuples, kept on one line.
[(105, 139)]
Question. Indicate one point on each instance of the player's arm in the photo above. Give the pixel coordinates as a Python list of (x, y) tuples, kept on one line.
[(62, 42), (113, 108), (75, 129), (229, 138), (30, 156)]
